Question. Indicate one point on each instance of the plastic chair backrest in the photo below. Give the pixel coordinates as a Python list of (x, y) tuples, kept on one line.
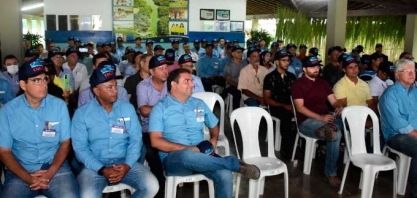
[(249, 119), (210, 99), (355, 117), (294, 111)]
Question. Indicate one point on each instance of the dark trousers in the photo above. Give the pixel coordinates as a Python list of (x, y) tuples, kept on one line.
[(287, 132), (236, 96), (155, 164), (208, 83)]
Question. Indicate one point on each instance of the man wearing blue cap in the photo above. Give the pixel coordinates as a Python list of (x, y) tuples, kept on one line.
[(231, 73), (210, 70), (62, 74), (149, 91), (79, 70), (35, 139), (175, 44), (295, 63), (109, 143), (120, 49), (221, 48), (176, 127), (138, 47), (70, 44), (149, 47), (186, 61), (197, 49)]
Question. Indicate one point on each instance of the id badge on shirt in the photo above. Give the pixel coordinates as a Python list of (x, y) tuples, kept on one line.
[(117, 129), (199, 115), (49, 133), (216, 65)]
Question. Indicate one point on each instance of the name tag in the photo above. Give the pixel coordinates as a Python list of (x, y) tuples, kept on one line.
[(49, 133), (2, 92), (117, 129), (199, 114), (123, 119)]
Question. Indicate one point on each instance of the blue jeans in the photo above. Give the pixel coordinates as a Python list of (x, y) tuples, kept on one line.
[(309, 127), (408, 145), (63, 184), (251, 102), (186, 162), (138, 177)]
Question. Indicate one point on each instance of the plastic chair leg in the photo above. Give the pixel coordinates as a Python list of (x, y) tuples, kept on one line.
[(295, 146), (344, 177), (345, 157), (262, 186), (196, 189), (237, 185), (308, 156), (395, 187), (403, 165), (368, 177), (170, 188), (278, 137), (286, 182), (211, 188), (123, 194), (254, 186)]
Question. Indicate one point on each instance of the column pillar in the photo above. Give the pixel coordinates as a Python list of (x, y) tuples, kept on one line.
[(410, 44), (255, 24), (336, 23), (11, 31)]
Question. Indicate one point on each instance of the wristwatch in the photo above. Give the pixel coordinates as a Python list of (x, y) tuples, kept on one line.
[(100, 171)]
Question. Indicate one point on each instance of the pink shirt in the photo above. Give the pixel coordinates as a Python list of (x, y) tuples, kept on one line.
[(173, 66)]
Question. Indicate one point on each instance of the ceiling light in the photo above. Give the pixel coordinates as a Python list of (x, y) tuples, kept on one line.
[(32, 6)]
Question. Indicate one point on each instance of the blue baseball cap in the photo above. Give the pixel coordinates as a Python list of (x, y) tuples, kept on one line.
[(70, 51), (196, 41), (149, 42), (170, 55), (30, 53), (346, 60), (54, 52), (158, 47), (31, 68), (185, 58), (104, 72), (157, 61), (311, 61), (281, 54)]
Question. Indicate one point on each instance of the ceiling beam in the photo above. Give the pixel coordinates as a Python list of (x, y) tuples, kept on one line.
[(294, 4), (261, 16), (368, 12), (390, 4)]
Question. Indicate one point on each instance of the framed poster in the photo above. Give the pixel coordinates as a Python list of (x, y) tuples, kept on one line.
[(208, 26), (223, 15), (237, 26), (222, 26), (206, 14)]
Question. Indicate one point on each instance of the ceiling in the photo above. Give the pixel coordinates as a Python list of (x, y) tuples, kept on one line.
[(313, 8), (318, 8)]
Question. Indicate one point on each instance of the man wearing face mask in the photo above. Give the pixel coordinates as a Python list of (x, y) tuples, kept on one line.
[(11, 65)]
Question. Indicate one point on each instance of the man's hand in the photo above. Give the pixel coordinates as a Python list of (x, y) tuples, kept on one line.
[(338, 111), (327, 118), (413, 133), (38, 180), (121, 171), (108, 172), (214, 143), (260, 100), (288, 107)]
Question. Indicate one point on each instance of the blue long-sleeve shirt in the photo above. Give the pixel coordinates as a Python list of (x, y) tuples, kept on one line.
[(209, 67), (98, 136), (13, 81), (6, 93), (398, 110)]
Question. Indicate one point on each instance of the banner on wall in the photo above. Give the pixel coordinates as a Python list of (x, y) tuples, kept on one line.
[(159, 20)]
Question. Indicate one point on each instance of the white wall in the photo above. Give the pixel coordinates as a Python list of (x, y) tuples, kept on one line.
[(82, 7), (237, 10)]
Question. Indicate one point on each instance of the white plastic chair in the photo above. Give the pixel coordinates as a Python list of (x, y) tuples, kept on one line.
[(217, 89), (278, 137), (210, 99), (310, 147), (119, 187), (229, 104), (172, 182), (40, 196), (370, 163), (248, 119)]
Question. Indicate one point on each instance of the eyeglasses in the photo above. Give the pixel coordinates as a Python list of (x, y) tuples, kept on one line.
[(408, 71), (37, 81)]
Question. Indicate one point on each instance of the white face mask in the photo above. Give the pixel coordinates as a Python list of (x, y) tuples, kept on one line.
[(12, 69)]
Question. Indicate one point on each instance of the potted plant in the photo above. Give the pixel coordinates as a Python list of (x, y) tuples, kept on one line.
[(31, 40)]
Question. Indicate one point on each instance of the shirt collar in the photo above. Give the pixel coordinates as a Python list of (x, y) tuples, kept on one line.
[(23, 97), (402, 87), (115, 104)]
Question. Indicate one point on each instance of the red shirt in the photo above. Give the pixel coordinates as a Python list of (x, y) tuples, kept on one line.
[(301, 57), (314, 94)]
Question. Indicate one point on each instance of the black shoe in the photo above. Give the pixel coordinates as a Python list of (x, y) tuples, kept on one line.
[(249, 170)]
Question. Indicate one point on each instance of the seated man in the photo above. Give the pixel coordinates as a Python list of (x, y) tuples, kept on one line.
[(251, 80), (231, 74), (277, 95), (399, 118), (310, 95), (209, 69), (186, 61), (35, 140), (176, 126), (378, 85), (351, 90), (133, 80), (6, 93), (107, 140)]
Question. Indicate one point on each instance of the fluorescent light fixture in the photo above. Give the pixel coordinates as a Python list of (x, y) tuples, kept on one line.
[(32, 6)]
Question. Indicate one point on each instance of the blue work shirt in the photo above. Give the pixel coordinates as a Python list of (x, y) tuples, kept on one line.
[(13, 81), (297, 66), (398, 109), (148, 95), (23, 130), (178, 53), (124, 65), (140, 49), (207, 67), (129, 71), (225, 60), (201, 52), (6, 93), (99, 137), (86, 95), (181, 123), (198, 85), (221, 51), (69, 72), (120, 51)]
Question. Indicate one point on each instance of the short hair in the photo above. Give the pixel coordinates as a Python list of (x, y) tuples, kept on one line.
[(38, 45), (402, 55), (10, 56), (97, 56), (184, 44), (221, 38), (399, 64), (144, 56), (175, 76)]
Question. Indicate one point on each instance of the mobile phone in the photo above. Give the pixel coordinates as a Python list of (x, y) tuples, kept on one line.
[(67, 86)]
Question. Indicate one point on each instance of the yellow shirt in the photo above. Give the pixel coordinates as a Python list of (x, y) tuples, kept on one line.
[(251, 80), (60, 83), (355, 94)]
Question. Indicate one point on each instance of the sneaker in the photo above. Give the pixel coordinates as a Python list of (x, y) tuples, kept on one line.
[(249, 170), (334, 181)]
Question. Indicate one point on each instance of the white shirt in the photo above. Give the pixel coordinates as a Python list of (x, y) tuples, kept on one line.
[(377, 86), (80, 73)]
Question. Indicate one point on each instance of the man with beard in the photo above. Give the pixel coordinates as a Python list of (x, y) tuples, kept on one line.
[(310, 95)]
